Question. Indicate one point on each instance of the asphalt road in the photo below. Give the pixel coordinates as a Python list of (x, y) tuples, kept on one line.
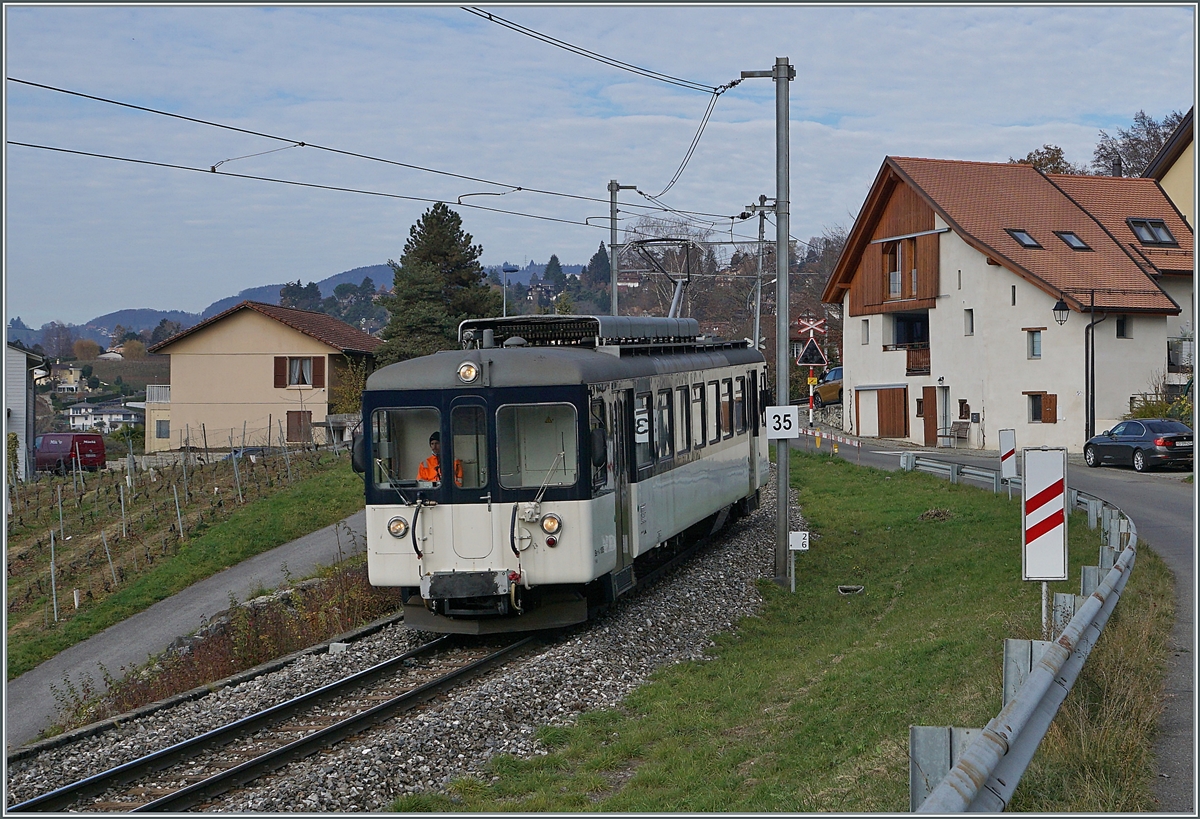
[(29, 705), (1163, 509)]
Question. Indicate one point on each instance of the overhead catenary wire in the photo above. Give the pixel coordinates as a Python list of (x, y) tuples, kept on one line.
[(714, 90), (354, 154), (591, 55), (296, 183)]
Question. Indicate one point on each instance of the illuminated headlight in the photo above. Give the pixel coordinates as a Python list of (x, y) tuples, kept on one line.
[(551, 524), (397, 527), (468, 371)]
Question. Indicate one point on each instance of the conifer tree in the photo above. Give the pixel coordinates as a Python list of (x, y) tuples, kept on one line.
[(438, 283)]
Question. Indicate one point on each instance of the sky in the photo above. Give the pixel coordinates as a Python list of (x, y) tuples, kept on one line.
[(447, 90)]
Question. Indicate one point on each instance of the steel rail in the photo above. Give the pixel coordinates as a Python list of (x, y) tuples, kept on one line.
[(214, 786), (990, 769), (63, 797)]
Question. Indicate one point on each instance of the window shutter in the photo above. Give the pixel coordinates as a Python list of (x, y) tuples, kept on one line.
[(318, 371), (1049, 409), (281, 365)]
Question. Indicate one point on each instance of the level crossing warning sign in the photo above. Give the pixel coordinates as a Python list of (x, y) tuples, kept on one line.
[(1043, 515), (1008, 454), (811, 355)]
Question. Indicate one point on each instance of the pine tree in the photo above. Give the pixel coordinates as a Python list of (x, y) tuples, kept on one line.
[(438, 283), (553, 274), (597, 273), (419, 324)]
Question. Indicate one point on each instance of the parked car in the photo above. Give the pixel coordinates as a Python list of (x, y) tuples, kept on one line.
[(828, 389), (60, 451), (1142, 443)]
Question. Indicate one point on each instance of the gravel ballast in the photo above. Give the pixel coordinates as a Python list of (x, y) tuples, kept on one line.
[(595, 667)]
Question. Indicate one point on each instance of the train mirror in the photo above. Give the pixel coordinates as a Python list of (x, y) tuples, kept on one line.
[(358, 454), (599, 447)]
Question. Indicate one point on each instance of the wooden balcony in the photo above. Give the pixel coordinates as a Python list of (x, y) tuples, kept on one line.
[(916, 357)]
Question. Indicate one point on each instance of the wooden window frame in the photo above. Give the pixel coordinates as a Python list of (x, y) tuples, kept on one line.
[(282, 372), (1048, 405)]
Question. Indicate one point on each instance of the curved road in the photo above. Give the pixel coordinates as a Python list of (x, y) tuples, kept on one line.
[(29, 705), (1162, 506)]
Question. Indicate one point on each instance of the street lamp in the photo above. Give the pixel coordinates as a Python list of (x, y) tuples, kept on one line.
[(1061, 311)]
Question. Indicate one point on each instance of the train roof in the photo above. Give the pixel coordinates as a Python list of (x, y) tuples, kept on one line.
[(592, 331), (567, 350)]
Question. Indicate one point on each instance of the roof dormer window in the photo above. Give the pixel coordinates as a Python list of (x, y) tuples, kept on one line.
[(1151, 231), (1023, 238), (1072, 240)]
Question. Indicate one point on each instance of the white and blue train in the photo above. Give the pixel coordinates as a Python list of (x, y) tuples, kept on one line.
[(533, 476)]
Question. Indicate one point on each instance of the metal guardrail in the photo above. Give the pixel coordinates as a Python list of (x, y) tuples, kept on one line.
[(989, 770)]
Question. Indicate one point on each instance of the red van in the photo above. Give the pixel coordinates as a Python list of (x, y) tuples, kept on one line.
[(57, 451)]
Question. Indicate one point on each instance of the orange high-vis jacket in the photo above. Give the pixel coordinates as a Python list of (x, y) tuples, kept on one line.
[(431, 470)]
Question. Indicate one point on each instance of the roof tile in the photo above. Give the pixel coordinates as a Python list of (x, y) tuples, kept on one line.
[(324, 328)]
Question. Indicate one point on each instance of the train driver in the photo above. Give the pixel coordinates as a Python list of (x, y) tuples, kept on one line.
[(431, 468)]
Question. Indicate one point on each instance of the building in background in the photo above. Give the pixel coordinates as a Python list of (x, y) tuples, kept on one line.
[(256, 371), (949, 284)]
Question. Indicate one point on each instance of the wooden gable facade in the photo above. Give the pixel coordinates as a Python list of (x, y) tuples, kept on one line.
[(895, 266)]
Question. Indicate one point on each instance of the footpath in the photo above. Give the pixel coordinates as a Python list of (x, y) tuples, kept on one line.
[(29, 704)]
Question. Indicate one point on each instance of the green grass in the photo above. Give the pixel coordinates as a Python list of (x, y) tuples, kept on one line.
[(291, 512), (807, 707)]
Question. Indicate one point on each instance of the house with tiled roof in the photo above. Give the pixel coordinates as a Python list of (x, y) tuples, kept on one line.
[(1174, 168), (976, 296), (252, 373)]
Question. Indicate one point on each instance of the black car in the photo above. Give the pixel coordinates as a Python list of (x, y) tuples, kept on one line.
[(1142, 443)]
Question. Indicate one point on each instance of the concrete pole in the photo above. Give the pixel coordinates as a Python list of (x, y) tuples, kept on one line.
[(613, 187), (613, 249), (762, 223), (782, 75)]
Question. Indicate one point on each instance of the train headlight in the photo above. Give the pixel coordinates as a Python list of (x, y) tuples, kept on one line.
[(551, 524), (397, 527), (468, 371)]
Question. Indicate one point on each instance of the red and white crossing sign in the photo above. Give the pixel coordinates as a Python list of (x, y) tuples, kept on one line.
[(1043, 514), (812, 325), (1008, 454)]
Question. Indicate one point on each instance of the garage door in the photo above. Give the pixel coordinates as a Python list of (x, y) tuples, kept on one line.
[(893, 412)]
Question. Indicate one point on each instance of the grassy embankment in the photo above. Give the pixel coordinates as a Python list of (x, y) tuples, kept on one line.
[(807, 706), (152, 562)]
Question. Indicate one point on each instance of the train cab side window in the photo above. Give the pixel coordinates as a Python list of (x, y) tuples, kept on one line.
[(698, 415), (727, 407), (598, 421), (643, 448), (664, 435), (739, 404), (683, 420), (468, 449), (712, 402)]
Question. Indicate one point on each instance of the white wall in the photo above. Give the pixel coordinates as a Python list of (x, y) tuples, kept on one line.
[(17, 407), (991, 368)]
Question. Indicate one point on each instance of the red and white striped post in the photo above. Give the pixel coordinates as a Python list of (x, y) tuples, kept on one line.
[(1044, 519), (1008, 457)]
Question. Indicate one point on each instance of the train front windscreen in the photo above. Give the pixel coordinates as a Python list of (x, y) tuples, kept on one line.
[(535, 447)]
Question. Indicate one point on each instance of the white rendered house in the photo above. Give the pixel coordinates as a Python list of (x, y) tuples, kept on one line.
[(949, 282)]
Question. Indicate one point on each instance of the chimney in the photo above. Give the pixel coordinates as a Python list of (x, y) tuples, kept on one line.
[(1116, 168)]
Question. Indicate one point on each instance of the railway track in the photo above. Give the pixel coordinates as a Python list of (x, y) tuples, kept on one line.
[(197, 770)]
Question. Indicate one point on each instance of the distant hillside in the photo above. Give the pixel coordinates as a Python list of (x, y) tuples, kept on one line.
[(142, 319), (379, 273), (138, 319), (524, 274)]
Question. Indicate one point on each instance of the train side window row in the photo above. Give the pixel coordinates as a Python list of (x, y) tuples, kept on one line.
[(675, 420)]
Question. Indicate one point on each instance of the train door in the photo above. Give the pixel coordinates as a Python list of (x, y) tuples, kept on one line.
[(470, 479), (622, 424)]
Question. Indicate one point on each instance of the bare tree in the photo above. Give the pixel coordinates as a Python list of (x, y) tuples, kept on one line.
[(1135, 147)]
